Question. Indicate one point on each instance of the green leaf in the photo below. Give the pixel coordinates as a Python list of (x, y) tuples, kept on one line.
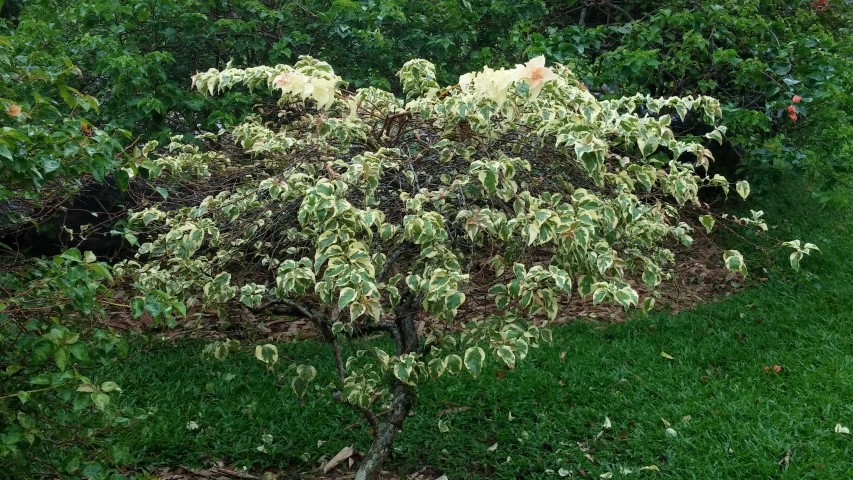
[(707, 221), (101, 400), (80, 352), (474, 359), (110, 387), (306, 373), (61, 356), (454, 300), (94, 471), (86, 388), (137, 307), (626, 297), (71, 463), (436, 368), (42, 350)]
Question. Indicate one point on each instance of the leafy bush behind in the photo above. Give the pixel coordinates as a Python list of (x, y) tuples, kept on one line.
[(136, 58)]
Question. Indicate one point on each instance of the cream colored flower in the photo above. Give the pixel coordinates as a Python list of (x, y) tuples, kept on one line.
[(323, 92), (282, 81), (293, 83), (466, 80), (536, 74)]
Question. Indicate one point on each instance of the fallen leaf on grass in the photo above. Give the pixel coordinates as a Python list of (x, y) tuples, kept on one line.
[(448, 411), (671, 432), (841, 430), (493, 447), (344, 454), (786, 460), (666, 355)]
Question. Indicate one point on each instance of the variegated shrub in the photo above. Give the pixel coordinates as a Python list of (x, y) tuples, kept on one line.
[(510, 191)]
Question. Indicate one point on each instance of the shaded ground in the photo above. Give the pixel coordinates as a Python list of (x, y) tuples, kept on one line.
[(698, 277)]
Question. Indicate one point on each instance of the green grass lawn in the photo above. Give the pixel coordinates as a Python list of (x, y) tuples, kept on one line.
[(731, 419)]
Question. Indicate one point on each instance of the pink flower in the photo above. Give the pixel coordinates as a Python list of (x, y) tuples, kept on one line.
[(13, 110)]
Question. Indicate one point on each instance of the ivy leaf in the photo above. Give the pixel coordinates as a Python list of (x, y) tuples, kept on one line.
[(474, 359)]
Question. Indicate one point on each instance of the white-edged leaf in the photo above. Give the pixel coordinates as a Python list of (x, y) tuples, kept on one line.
[(267, 353), (742, 188), (507, 355), (474, 359)]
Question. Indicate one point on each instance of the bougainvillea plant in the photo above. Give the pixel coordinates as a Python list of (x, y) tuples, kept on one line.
[(363, 212)]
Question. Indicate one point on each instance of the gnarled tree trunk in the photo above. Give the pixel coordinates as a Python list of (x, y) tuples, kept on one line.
[(401, 405), (406, 339)]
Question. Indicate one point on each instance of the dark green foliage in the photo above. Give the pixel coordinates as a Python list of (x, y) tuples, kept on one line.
[(47, 125), (755, 56), (54, 404), (137, 57)]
